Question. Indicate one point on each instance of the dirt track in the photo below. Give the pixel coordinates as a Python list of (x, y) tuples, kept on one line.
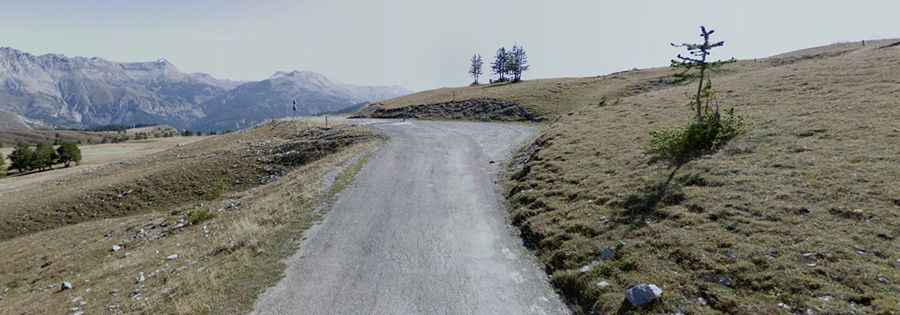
[(421, 231)]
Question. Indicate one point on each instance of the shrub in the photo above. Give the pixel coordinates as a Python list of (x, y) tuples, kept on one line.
[(2, 165), (196, 216), (677, 146)]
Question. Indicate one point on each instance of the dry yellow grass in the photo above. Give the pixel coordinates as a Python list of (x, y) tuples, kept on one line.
[(222, 262), (799, 215), (93, 157), (546, 98)]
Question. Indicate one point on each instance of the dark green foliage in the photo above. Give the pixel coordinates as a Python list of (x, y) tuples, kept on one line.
[(197, 216), (21, 158), (44, 156), (677, 146), (68, 153), (187, 133)]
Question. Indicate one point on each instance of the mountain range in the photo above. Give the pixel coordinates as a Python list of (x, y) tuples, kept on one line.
[(80, 92)]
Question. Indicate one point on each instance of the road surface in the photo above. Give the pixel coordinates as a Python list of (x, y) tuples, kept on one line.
[(420, 231)]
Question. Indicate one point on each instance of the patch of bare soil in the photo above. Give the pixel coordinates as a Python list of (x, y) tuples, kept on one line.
[(210, 250)]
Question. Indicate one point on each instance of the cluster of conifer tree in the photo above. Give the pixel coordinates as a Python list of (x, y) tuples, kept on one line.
[(508, 65), (43, 156)]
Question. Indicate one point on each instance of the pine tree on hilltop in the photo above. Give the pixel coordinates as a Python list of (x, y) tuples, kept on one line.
[(518, 62), (475, 68), (500, 63)]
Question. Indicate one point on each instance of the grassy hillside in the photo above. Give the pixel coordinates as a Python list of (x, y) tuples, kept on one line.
[(11, 137), (546, 97), (799, 215), (201, 228)]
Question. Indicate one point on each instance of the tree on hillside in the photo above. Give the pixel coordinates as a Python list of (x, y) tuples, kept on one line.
[(709, 131), (475, 68), (500, 63), (21, 158), (518, 62), (44, 156), (68, 153), (696, 64)]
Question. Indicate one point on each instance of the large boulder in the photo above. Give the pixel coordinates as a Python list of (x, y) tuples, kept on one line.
[(643, 294)]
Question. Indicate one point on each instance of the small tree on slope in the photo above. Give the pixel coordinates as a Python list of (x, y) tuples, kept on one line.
[(710, 130), (696, 63)]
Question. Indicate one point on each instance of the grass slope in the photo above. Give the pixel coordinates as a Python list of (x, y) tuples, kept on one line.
[(800, 215), (545, 98), (228, 246)]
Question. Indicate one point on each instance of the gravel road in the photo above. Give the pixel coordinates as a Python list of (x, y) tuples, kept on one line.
[(421, 230)]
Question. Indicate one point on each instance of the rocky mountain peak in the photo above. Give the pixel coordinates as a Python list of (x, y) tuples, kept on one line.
[(84, 92)]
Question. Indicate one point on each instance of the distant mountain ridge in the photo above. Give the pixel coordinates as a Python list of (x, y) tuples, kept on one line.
[(81, 92)]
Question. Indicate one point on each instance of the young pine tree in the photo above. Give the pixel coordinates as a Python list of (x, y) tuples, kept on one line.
[(696, 64), (709, 131), (475, 68)]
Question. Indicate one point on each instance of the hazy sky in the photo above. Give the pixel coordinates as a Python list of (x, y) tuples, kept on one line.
[(423, 44)]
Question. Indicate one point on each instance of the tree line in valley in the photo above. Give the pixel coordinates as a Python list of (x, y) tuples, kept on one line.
[(24, 158), (509, 65)]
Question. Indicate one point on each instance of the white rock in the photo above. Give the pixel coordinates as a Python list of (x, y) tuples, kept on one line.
[(602, 284), (172, 257), (116, 248), (65, 286)]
